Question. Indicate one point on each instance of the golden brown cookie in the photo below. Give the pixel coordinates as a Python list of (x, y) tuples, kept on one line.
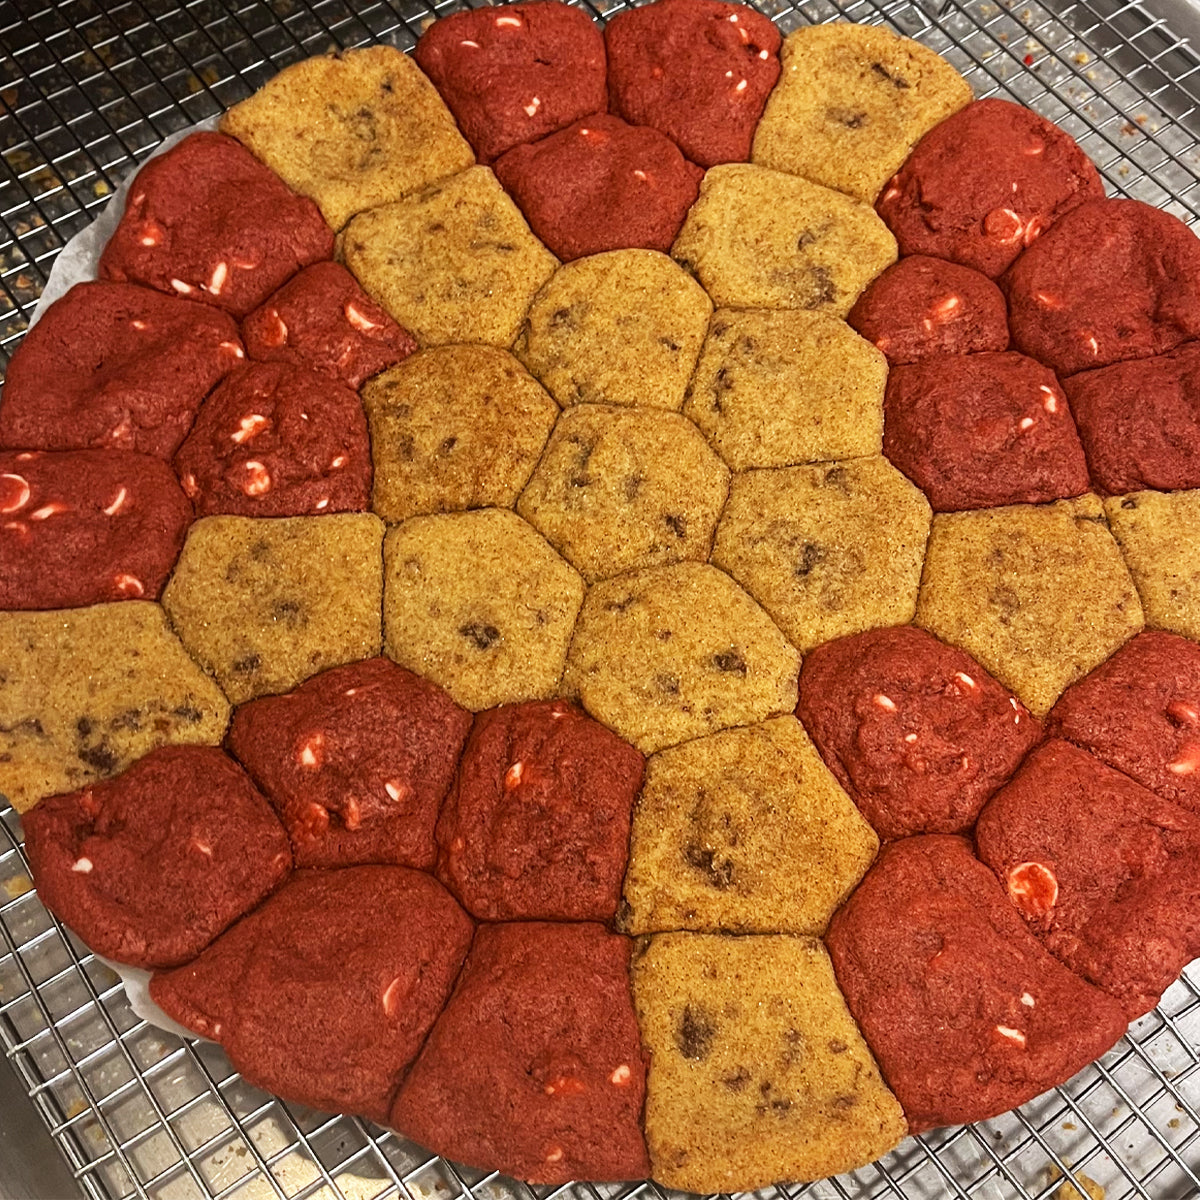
[(617, 328), (851, 102), (351, 130), (672, 653), (481, 604), (745, 831), (757, 1070), (454, 427), (624, 488), (829, 549), (264, 603), (1159, 535), (758, 238), (1039, 594), (773, 389), (85, 692), (453, 263)]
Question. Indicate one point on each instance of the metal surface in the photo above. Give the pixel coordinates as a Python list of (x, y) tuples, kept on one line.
[(86, 91)]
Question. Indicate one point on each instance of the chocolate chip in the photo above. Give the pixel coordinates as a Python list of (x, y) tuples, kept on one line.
[(895, 80), (130, 720), (100, 757), (848, 117), (837, 1046), (633, 485), (737, 1080), (619, 605), (845, 1102), (718, 874), (719, 330), (248, 664), (668, 684), (83, 727), (678, 525), (837, 477), (482, 636), (823, 289), (730, 660), (448, 444), (806, 239), (810, 555), (187, 712), (290, 612), (1129, 502), (671, 345), (695, 1033)]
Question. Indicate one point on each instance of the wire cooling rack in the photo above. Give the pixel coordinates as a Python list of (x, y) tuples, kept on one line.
[(87, 90)]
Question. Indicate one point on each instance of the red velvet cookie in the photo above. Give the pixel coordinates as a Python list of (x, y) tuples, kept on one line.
[(917, 732), (984, 184), (965, 1010), (149, 867), (699, 71), (356, 761), (601, 185), (1140, 421), (275, 440), (1112, 280), (207, 221), (1140, 713), (82, 527), (116, 366), (980, 430), (514, 74), (322, 319), (924, 306), (1102, 870), (537, 823), (535, 1068), (325, 993)]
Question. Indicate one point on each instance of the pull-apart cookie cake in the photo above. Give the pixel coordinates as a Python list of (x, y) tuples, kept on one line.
[(623, 603)]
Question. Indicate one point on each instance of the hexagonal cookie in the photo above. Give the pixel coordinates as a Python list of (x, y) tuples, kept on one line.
[(85, 692), (618, 328), (453, 263), (773, 389), (745, 831), (479, 603), (1159, 535), (672, 653), (829, 549), (757, 1070), (1039, 594), (762, 239), (264, 603), (623, 488), (454, 427)]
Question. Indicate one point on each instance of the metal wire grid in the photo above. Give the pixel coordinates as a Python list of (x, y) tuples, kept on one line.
[(87, 90)]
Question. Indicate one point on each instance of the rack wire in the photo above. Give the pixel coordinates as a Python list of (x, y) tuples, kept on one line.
[(87, 90)]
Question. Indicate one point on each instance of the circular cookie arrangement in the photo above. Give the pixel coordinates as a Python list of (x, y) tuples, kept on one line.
[(620, 603)]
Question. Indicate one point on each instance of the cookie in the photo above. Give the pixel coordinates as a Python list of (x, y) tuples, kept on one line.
[(115, 366), (208, 222), (672, 653), (773, 389), (453, 263), (917, 732), (923, 306), (852, 101), (452, 428), (82, 527), (828, 549), (321, 995), (516, 76), (356, 761), (986, 183), (535, 1067), (264, 604), (981, 430), (276, 440), (619, 489), (353, 130), (757, 1072), (967, 1013), (1039, 595), (149, 867), (1140, 421), (322, 319), (699, 71), (617, 328), (1159, 535), (600, 184), (1140, 712), (1063, 309), (1102, 870), (536, 826), (744, 831), (762, 239), (495, 634), (85, 692)]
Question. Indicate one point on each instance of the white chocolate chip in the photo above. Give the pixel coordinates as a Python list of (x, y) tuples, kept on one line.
[(392, 996), (232, 348), (352, 817), (1027, 1000), (279, 330), (1046, 300), (1186, 714), (340, 461), (201, 847), (397, 790), (311, 752), (1004, 225), (1093, 346), (512, 777), (359, 319), (1033, 888), (82, 865), (764, 54), (1025, 423), (129, 585), (1050, 403), (621, 1076), (742, 85), (640, 175), (117, 504), (1188, 760), (473, 45), (258, 479), (250, 426), (965, 680), (48, 510), (1014, 1035), (184, 289), (14, 493), (513, 21), (910, 738), (322, 504), (138, 325), (884, 702), (190, 486), (217, 280), (532, 107), (554, 1155)]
